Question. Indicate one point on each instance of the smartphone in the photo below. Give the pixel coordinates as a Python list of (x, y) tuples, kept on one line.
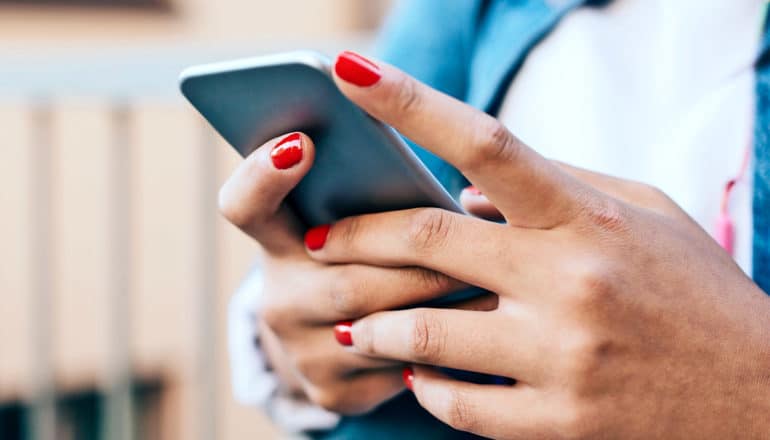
[(361, 165)]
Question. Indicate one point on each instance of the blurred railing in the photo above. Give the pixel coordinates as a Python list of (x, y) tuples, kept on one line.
[(116, 268)]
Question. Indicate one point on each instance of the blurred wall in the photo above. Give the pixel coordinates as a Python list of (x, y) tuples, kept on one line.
[(114, 265), (183, 20)]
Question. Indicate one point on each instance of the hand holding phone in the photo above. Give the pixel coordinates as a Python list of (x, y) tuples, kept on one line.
[(361, 166)]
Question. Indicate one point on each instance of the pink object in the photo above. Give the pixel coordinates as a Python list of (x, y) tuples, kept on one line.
[(724, 233), (724, 230)]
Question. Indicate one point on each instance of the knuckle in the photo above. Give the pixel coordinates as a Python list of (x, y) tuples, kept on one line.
[(347, 303), (429, 229), (433, 281), (307, 364), (575, 351), (608, 216), (348, 295), (585, 355), (652, 193), (277, 316), (460, 414), (328, 399), (341, 397), (594, 284), (658, 200), (492, 143), (640, 193), (406, 99), (428, 337)]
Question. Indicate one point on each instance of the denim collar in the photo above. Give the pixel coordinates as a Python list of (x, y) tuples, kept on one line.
[(508, 32), (761, 248)]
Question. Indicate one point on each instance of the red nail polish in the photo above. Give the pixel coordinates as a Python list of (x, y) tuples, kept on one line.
[(315, 238), (356, 69), (287, 152), (342, 333), (408, 376), (473, 190)]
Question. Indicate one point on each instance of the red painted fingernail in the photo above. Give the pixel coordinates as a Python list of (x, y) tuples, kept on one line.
[(315, 238), (342, 333), (408, 376), (473, 190), (356, 69), (288, 152)]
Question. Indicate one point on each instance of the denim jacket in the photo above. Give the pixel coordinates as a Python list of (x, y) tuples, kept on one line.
[(762, 167), (472, 49)]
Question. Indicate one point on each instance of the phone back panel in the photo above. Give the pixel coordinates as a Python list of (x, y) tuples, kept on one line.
[(361, 166)]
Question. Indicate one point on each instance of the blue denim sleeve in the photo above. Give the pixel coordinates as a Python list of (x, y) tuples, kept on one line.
[(433, 40), (761, 249)]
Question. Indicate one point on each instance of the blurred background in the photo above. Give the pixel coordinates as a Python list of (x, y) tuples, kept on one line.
[(115, 268)]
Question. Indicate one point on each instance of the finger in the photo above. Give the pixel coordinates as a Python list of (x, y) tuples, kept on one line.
[(460, 246), (459, 339), (358, 394), (354, 290), (493, 411), (347, 292), (528, 189), (479, 205), (321, 359), (252, 199)]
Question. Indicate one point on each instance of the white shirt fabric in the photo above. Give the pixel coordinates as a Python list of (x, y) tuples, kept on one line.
[(253, 383), (659, 91)]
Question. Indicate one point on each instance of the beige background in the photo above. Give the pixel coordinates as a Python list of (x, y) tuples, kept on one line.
[(108, 184)]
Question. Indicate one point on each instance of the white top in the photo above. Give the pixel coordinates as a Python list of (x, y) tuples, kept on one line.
[(252, 383), (660, 91)]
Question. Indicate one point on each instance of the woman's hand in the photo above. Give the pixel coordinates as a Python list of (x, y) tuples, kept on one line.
[(303, 299), (617, 320)]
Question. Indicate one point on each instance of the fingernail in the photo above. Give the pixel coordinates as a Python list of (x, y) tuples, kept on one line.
[(356, 69), (342, 333), (473, 190), (315, 238), (408, 376), (287, 152)]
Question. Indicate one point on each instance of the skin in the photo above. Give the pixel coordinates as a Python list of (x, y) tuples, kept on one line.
[(303, 298), (616, 314)]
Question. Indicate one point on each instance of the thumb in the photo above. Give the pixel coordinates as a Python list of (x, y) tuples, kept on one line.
[(252, 198)]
